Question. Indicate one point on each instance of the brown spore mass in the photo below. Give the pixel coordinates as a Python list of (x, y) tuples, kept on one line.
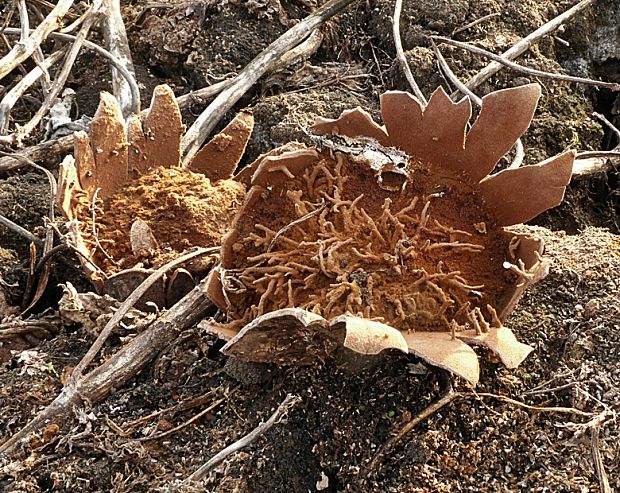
[(183, 209), (332, 240)]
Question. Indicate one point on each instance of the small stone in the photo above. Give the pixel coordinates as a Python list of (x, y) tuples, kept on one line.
[(323, 483)]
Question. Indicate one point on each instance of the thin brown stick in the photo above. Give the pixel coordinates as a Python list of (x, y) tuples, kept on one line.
[(446, 399), (121, 367), (526, 70), (400, 53), (599, 465), (116, 41), (17, 229), (551, 390), (388, 446), (285, 406), (193, 419), (538, 409), (208, 119), (43, 275), (131, 300), (476, 22), (527, 42), (21, 51)]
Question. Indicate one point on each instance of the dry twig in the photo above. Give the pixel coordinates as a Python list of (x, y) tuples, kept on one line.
[(118, 64), (287, 404), (448, 396), (22, 50), (202, 127), (193, 419), (518, 147), (17, 229), (59, 82), (131, 300), (18, 90), (526, 70), (476, 22), (121, 367), (400, 53), (43, 151), (525, 44), (116, 40)]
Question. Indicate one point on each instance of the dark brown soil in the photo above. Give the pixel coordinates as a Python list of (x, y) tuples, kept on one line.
[(477, 443)]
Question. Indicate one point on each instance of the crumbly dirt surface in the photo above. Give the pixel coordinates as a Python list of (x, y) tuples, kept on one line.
[(347, 412)]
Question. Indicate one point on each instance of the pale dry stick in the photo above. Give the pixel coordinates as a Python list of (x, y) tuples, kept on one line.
[(17, 91), (610, 125), (551, 390), (591, 154), (39, 152), (16, 228), (519, 155), (297, 54), (518, 147), (400, 53), (115, 37), (61, 78), (22, 50), (538, 409), (37, 56), (208, 119), (388, 446), (63, 145), (453, 78), (527, 42), (135, 92), (526, 70), (131, 300), (289, 402), (191, 420), (476, 22), (121, 367)]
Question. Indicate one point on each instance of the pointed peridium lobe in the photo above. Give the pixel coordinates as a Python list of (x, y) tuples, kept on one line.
[(434, 133), (219, 158), (505, 115), (515, 196), (440, 349), (163, 129), (108, 138)]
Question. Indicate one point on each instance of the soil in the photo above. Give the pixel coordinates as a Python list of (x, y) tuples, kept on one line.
[(182, 210), (476, 443)]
